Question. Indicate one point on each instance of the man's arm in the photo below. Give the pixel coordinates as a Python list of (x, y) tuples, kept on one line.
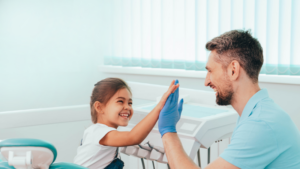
[(178, 159), (176, 155)]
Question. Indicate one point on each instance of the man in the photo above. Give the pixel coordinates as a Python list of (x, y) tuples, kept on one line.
[(264, 137)]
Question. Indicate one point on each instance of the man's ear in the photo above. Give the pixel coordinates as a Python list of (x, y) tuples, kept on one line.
[(233, 70), (98, 107)]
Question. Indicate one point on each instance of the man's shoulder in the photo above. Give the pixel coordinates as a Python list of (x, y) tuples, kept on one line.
[(255, 130), (267, 105), (269, 112), (255, 125), (266, 120)]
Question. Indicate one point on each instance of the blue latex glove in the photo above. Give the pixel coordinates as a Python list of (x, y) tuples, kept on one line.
[(170, 114)]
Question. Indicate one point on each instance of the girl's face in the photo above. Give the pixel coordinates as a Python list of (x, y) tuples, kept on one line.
[(118, 110)]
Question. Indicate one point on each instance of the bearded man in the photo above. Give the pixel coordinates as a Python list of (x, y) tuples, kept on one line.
[(265, 136)]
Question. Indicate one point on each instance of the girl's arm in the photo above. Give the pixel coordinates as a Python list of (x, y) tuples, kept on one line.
[(141, 130)]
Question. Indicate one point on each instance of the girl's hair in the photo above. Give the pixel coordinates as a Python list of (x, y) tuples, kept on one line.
[(103, 91)]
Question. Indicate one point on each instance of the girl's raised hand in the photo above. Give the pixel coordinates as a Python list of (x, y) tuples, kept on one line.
[(173, 86)]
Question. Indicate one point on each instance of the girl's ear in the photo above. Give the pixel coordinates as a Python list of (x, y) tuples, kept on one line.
[(98, 107)]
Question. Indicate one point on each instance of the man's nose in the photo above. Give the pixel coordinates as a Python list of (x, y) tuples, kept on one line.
[(207, 80)]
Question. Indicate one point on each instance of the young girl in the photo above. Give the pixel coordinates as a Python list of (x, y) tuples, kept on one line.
[(111, 107)]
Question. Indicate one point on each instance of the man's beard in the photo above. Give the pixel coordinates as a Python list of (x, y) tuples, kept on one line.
[(224, 97)]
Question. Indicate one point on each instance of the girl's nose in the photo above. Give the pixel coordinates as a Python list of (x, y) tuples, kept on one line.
[(127, 107)]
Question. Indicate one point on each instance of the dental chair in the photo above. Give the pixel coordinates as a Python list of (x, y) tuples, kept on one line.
[(31, 154)]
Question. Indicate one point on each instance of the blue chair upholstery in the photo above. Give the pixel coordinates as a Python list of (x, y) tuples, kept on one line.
[(4, 165), (63, 165)]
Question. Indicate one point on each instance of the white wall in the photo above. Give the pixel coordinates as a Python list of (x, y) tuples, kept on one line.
[(49, 52)]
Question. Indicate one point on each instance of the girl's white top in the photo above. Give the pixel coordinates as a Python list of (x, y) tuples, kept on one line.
[(91, 154)]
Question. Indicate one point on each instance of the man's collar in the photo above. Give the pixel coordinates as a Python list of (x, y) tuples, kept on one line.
[(263, 93)]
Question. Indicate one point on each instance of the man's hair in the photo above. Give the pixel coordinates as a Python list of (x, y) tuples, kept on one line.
[(103, 91), (239, 45)]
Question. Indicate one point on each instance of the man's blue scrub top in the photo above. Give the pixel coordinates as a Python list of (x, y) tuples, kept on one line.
[(265, 137)]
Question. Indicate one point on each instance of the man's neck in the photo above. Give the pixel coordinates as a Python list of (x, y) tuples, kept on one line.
[(242, 95)]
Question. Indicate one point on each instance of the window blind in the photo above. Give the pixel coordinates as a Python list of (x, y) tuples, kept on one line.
[(172, 33)]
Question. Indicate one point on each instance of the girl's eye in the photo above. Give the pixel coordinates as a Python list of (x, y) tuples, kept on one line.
[(130, 103), (120, 101)]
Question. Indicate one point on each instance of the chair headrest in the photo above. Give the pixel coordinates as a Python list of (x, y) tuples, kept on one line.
[(26, 142)]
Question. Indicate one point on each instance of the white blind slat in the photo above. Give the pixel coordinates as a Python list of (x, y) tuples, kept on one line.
[(156, 32), (201, 30), (212, 19), (249, 15), (167, 30), (295, 52), (117, 31), (272, 36), (261, 25), (179, 32), (225, 16), (146, 32), (190, 31), (136, 32), (126, 34), (237, 14), (284, 38)]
